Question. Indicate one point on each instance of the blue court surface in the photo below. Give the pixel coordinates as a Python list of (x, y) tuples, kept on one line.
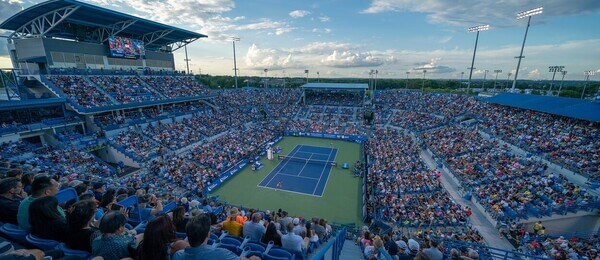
[(302, 176)]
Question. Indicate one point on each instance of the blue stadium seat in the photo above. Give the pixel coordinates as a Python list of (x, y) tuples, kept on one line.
[(232, 248), (14, 232), (66, 195), (132, 202), (230, 241), (255, 247), (44, 244), (169, 207), (72, 252), (276, 252)]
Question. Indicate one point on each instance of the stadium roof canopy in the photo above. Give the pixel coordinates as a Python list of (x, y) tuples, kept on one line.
[(569, 107), (331, 86), (70, 19)]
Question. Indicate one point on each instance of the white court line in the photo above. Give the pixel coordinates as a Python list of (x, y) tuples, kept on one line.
[(330, 148), (298, 176), (335, 149), (283, 166), (295, 192), (305, 163), (322, 171)]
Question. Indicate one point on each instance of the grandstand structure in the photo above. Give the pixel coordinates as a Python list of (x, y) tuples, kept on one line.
[(94, 96)]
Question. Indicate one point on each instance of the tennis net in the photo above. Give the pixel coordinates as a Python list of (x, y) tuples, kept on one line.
[(304, 160)]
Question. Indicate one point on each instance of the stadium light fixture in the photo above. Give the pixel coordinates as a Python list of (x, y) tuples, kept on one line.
[(462, 74), (235, 69), (266, 78), (475, 29), (507, 80), (564, 73), (423, 86), (484, 76), (306, 71), (587, 74), (496, 71), (318, 77), (375, 85), (187, 61), (408, 72), (528, 14), (554, 69)]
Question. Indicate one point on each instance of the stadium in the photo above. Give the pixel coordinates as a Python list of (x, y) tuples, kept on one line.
[(108, 152)]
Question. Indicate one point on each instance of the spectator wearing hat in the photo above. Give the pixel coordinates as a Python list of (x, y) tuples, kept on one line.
[(254, 229), (297, 227), (414, 247), (433, 252), (10, 192), (403, 251), (231, 225)]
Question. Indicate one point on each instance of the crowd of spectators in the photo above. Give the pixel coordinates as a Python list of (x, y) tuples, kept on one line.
[(125, 89), (449, 105), (345, 98), (416, 121), (508, 185), (169, 86), (572, 143), (401, 187), (84, 93)]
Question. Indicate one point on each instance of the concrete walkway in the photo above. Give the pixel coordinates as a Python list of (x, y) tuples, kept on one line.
[(478, 219)]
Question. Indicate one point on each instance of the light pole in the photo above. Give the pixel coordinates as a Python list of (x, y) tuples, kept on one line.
[(496, 71), (587, 74), (306, 71), (283, 78), (462, 73), (529, 14), (235, 39), (554, 69), (564, 72), (375, 85), (318, 77), (507, 80), (187, 64), (408, 72), (423, 86), (266, 78), (475, 29), (484, 76)]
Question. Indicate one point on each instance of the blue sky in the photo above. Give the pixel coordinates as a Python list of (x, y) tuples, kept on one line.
[(349, 38)]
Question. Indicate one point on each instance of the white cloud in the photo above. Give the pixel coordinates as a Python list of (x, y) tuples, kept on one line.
[(348, 59), (299, 13), (280, 31), (324, 47), (534, 74), (319, 30), (324, 18), (257, 58), (471, 12), (432, 67), (262, 24)]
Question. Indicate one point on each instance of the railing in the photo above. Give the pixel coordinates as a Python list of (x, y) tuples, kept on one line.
[(336, 243)]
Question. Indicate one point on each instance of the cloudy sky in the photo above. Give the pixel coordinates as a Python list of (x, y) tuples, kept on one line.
[(342, 38)]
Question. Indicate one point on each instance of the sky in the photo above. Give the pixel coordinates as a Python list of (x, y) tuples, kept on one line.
[(350, 38)]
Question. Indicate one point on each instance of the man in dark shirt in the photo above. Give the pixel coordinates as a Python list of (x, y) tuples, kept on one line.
[(11, 192)]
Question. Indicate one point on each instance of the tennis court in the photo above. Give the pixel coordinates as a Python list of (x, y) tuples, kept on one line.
[(304, 170)]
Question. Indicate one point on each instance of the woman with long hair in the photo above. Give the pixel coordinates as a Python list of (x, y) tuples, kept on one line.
[(45, 219), (179, 219), (160, 241), (272, 234), (80, 232)]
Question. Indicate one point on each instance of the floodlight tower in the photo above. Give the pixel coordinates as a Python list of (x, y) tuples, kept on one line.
[(266, 78), (507, 80), (306, 71), (554, 69), (484, 76), (496, 71), (462, 73), (187, 61), (587, 74), (375, 85), (318, 77), (408, 72), (235, 70), (423, 86), (528, 14), (475, 29), (564, 72)]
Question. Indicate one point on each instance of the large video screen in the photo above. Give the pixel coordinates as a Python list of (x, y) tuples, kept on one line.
[(125, 47)]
